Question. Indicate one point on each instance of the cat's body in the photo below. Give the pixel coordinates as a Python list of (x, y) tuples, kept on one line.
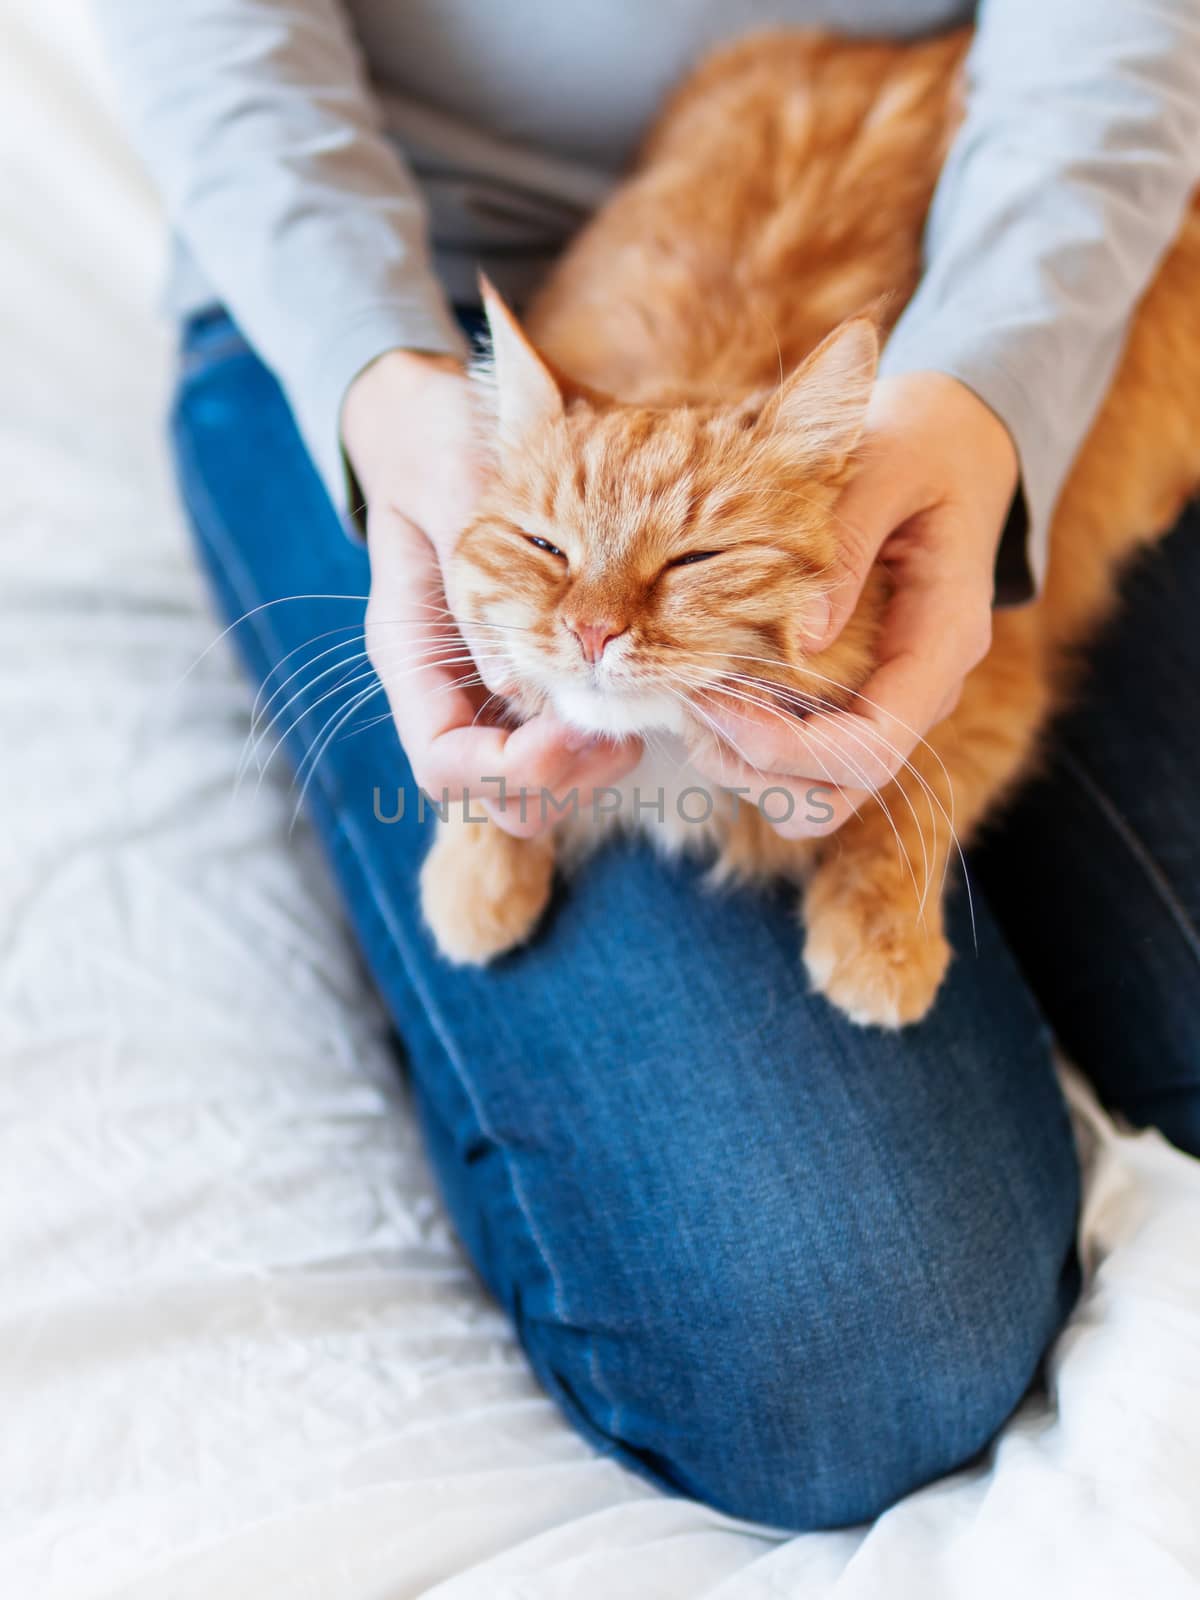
[(783, 191)]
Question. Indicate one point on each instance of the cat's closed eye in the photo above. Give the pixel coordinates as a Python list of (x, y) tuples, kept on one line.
[(544, 544), (692, 557)]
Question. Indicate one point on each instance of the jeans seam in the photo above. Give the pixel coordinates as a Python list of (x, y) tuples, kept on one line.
[(218, 533), (1136, 847)]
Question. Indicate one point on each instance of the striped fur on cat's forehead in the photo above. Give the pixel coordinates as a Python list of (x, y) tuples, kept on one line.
[(634, 473)]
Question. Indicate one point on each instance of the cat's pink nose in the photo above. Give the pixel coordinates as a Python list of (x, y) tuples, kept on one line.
[(594, 636)]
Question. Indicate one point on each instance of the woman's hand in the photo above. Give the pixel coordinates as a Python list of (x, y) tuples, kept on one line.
[(410, 434), (929, 502)]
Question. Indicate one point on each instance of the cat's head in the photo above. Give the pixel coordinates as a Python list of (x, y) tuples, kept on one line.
[(627, 562)]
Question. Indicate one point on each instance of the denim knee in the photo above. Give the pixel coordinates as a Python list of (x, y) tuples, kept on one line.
[(805, 1399)]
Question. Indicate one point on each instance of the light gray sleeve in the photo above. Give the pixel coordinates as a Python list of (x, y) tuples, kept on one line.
[(257, 123), (1061, 194)]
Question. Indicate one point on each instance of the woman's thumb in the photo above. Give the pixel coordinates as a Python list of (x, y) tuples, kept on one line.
[(866, 513)]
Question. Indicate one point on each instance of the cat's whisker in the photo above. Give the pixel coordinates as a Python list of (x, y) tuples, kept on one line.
[(854, 694), (901, 849), (364, 697), (369, 676), (864, 782), (425, 664), (257, 734), (721, 736), (899, 721), (247, 616), (348, 627), (877, 794), (337, 721), (458, 617), (260, 709), (685, 699), (925, 745), (932, 798), (365, 727), (482, 709), (429, 658), (841, 710), (809, 702)]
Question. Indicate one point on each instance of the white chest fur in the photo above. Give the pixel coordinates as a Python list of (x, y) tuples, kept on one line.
[(664, 798)]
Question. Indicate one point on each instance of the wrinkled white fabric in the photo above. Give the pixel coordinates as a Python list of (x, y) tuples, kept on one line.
[(240, 1353)]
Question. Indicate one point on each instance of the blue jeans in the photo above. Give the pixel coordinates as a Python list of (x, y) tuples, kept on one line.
[(761, 1256)]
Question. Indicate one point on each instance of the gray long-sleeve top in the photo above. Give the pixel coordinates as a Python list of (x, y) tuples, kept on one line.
[(335, 169)]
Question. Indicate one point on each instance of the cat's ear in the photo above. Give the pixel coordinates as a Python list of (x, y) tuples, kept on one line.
[(527, 394), (823, 404)]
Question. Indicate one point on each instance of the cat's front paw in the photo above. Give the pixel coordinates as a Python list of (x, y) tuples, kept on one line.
[(868, 950), (483, 892)]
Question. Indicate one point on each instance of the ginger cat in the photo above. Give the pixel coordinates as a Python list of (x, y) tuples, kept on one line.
[(659, 510)]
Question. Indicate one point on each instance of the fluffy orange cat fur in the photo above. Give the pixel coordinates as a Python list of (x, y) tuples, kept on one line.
[(643, 420)]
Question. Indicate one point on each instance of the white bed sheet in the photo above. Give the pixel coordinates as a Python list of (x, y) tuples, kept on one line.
[(240, 1353)]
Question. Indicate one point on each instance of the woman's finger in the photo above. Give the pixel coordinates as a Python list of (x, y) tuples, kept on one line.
[(796, 807), (586, 788), (421, 659), (867, 512)]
